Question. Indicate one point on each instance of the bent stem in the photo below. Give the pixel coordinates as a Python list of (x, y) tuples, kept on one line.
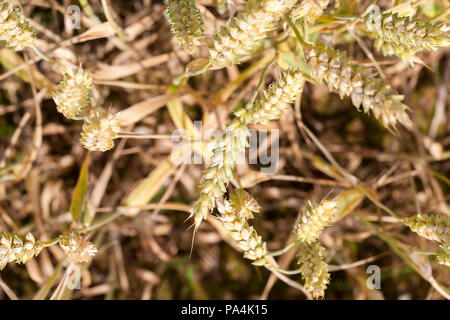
[(378, 203), (89, 12), (282, 251), (43, 55), (260, 82), (297, 33), (284, 271), (133, 135), (113, 24), (51, 242)]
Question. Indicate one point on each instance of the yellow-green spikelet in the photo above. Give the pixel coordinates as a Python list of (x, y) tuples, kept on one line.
[(186, 23), (274, 102), (444, 256), (432, 227), (17, 248), (312, 219), (361, 83), (405, 36), (99, 131), (73, 93), (15, 30), (313, 268)]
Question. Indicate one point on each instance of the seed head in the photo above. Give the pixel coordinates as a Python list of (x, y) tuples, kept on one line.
[(432, 227), (274, 102), (17, 248), (187, 25), (234, 216), (99, 131), (244, 204), (15, 30), (404, 36), (313, 268), (362, 84), (313, 218), (245, 31), (73, 93), (77, 249)]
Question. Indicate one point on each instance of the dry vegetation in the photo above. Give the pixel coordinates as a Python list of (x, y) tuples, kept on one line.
[(90, 176)]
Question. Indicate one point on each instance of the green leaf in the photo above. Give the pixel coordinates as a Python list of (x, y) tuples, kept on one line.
[(79, 194)]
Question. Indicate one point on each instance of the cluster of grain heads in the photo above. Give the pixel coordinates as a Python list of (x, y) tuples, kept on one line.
[(15, 30), (73, 94), (20, 249), (186, 23), (275, 100), (234, 215), (361, 83), (17, 248), (313, 218), (100, 129), (432, 227), (77, 249), (273, 103), (404, 36), (308, 10), (73, 99), (313, 268), (245, 31)]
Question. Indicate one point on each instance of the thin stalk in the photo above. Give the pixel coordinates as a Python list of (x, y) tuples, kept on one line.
[(113, 24), (282, 251), (289, 272), (395, 246), (378, 203), (297, 33), (131, 135), (89, 12)]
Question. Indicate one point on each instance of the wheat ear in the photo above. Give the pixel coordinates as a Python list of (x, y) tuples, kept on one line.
[(100, 129), (77, 249), (73, 93), (234, 215), (186, 23), (245, 31), (361, 83)]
